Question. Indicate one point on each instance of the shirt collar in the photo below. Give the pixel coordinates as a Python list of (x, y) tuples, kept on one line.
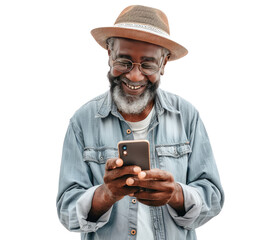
[(163, 102)]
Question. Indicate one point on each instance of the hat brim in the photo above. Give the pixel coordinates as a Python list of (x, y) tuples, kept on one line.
[(102, 34)]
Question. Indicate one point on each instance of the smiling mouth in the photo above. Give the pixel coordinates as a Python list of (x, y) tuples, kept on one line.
[(133, 87)]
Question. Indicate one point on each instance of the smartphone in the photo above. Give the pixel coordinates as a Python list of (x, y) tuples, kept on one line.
[(135, 152)]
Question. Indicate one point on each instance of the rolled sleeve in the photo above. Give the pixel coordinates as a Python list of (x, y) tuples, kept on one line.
[(83, 207), (192, 204)]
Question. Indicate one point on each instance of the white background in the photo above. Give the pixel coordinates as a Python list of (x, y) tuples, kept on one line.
[(50, 65)]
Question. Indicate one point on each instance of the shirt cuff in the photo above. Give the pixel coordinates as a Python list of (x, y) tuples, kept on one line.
[(192, 205), (83, 207)]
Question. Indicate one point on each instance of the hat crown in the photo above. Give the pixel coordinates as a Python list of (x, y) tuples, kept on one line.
[(144, 24), (144, 15)]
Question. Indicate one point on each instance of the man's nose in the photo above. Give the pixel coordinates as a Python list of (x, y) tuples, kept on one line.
[(135, 74)]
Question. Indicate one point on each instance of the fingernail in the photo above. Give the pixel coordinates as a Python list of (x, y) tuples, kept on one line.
[(129, 181), (136, 169), (119, 162), (142, 175)]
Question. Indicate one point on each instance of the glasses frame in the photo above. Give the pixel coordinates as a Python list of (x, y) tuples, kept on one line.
[(139, 64)]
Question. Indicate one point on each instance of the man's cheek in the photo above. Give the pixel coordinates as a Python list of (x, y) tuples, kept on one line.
[(115, 73)]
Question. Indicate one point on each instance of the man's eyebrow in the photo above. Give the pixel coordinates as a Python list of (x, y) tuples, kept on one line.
[(124, 56), (144, 58), (150, 59)]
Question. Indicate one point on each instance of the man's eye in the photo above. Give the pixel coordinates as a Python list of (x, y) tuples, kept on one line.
[(122, 64), (149, 66), (125, 63)]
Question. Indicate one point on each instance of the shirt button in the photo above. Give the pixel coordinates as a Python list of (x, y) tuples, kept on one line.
[(128, 131), (134, 200), (133, 231)]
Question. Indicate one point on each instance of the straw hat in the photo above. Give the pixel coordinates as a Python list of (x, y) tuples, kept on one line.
[(143, 24)]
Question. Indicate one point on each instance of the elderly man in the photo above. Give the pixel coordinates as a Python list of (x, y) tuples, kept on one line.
[(99, 196)]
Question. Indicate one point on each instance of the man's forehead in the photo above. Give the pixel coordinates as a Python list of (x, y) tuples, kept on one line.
[(124, 46)]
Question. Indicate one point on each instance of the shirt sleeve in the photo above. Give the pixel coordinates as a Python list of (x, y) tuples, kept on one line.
[(192, 205), (76, 189), (204, 195), (83, 207)]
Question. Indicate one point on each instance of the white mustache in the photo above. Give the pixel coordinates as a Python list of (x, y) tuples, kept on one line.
[(131, 83)]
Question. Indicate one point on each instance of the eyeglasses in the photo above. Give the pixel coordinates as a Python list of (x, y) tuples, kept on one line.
[(125, 65)]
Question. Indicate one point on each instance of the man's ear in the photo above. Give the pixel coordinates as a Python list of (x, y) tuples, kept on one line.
[(164, 63), (109, 52)]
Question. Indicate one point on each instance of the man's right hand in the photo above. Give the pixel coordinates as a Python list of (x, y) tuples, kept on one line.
[(115, 179), (114, 187)]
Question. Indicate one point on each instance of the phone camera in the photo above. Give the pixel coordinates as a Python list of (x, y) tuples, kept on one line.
[(124, 147)]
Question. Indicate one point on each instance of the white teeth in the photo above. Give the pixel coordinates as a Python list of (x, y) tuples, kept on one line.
[(133, 87)]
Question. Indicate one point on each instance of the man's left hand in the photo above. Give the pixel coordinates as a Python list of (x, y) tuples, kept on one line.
[(158, 188)]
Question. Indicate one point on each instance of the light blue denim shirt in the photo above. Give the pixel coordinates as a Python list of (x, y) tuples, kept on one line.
[(178, 144)]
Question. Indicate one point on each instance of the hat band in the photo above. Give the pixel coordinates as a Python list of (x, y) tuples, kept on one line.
[(143, 27)]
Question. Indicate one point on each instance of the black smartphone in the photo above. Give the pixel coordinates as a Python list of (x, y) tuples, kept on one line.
[(135, 152)]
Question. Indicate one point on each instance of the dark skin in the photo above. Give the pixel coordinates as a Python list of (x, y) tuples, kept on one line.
[(153, 187)]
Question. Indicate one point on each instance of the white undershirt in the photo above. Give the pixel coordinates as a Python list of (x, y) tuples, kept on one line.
[(144, 224)]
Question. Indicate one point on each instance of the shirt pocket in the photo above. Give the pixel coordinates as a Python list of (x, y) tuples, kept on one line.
[(99, 155), (96, 159), (174, 158)]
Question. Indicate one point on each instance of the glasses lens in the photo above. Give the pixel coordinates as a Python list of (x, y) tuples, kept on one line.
[(149, 68), (125, 65), (122, 65)]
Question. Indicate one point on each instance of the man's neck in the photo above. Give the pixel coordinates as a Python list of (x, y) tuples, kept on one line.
[(140, 116)]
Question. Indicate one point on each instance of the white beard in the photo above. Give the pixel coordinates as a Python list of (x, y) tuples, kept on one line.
[(130, 104)]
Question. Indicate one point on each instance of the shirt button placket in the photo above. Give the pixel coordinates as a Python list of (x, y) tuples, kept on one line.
[(132, 232)]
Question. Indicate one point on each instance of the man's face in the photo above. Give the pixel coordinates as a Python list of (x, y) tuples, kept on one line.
[(133, 91)]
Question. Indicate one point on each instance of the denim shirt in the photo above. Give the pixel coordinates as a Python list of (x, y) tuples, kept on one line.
[(178, 144)]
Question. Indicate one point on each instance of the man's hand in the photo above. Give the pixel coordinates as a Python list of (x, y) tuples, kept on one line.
[(114, 187), (115, 179), (157, 188)]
